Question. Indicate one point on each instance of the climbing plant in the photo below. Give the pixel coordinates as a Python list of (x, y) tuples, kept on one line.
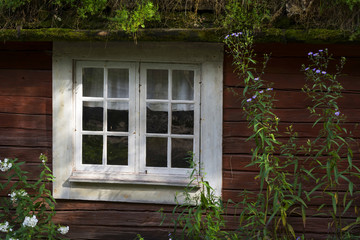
[(288, 168)]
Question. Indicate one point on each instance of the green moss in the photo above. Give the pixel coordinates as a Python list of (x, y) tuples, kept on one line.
[(194, 35)]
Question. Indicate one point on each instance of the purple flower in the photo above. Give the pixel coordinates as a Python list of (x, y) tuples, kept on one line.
[(321, 50), (310, 53), (318, 71), (255, 79), (269, 89), (249, 100), (315, 54), (323, 72), (337, 113), (306, 68), (261, 91), (226, 36), (254, 96), (240, 33), (314, 69)]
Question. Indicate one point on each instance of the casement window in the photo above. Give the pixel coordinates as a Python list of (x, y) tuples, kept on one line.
[(129, 118), (139, 124)]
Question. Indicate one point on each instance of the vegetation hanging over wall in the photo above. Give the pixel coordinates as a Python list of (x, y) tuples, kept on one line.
[(130, 15)]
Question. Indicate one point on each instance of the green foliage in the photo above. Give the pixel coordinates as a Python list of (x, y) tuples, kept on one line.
[(13, 4), (350, 3), (131, 20), (248, 14), (265, 214), (85, 7), (201, 216), (27, 212), (331, 151), (282, 176)]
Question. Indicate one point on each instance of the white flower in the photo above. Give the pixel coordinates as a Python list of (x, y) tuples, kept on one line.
[(4, 227), (15, 195), (6, 165), (63, 230), (13, 239), (30, 221)]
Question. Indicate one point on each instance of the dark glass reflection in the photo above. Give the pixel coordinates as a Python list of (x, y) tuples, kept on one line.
[(93, 116), (92, 148), (118, 117), (180, 149), (157, 118), (156, 152), (182, 119), (117, 150)]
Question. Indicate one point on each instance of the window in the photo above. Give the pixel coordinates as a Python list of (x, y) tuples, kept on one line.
[(111, 138), (126, 116)]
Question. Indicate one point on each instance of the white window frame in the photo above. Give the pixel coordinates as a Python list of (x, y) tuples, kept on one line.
[(156, 186)]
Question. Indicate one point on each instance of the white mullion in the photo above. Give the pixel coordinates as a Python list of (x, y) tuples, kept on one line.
[(197, 116), (134, 121), (141, 121), (169, 119), (104, 160), (78, 119)]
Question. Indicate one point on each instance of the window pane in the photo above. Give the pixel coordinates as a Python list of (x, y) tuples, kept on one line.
[(118, 116), (118, 83), (93, 82), (117, 150), (156, 117), (183, 85), (157, 84), (182, 118), (92, 148), (93, 116), (180, 149), (156, 152)]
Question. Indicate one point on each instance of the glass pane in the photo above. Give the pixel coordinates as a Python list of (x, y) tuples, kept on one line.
[(118, 83), (156, 152), (157, 84), (182, 118), (118, 116), (117, 150), (92, 148), (183, 85), (93, 116), (156, 117), (180, 152), (93, 82)]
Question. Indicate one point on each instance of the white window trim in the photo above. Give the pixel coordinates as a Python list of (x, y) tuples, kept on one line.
[(109, 186)]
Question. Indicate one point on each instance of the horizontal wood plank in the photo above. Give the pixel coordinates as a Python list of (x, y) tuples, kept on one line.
[(39, 60), (27, 154), (32, 83), (100, 232), (291, 115), (24, 121), (289, 99), (26, 105), (242, 129), (25, 137)]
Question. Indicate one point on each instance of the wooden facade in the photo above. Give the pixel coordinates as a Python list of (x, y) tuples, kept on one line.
[(26, 131)]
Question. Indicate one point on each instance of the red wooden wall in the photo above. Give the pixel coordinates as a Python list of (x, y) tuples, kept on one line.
[(26, 120), (25, 132), (284, 71)]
